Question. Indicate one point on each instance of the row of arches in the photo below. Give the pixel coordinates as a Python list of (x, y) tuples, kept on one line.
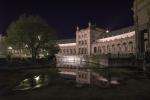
[(125, 47), (68, 51), (82, 51), (83, 42)]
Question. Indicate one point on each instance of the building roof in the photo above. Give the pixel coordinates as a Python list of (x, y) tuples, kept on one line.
[(102, 35), (120, 31), (66, 41)]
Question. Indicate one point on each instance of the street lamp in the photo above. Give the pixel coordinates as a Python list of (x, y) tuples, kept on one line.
[(39, 37), (107, 31)]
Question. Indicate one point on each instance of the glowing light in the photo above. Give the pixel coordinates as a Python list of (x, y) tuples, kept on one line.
[(41, 55), (130, 34), (107, 31), (26, 46), (71, 59), (47, 54), (10, 48), (37, 78), (67, 44), (39, 37)]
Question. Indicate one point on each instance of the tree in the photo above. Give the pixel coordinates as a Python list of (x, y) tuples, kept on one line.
[(31, 32)]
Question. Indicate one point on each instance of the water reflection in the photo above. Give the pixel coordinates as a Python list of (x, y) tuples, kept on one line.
[(77, 64), (70, 70), (33, 82), (89, 73)]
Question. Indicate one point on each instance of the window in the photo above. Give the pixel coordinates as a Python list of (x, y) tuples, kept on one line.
[(85, 35), (85, 42), (79, 42), (131, 46), (64, 51), (113, 48), (119, 48), (79, 50), (99, 49), (70, 51), (79, 36), (82, 51), (124, 46), (74, 51), (85, 51), (95, 49), (82, 42), (67, 51), (108, 49)]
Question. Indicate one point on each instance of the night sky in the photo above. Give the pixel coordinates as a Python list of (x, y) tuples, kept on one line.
[(64, 15)]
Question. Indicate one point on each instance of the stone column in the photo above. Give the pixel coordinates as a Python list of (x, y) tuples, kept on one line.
[(148, 30), (77, 32)]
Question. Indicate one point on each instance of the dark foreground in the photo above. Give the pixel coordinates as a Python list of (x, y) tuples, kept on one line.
[(66, 90)]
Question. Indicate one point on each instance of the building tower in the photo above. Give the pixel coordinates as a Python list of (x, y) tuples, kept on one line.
[(141, 10), (83, 41)]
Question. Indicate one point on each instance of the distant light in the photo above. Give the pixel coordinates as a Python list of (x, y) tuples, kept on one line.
[(107, 31), (47, 54), (26, 46), (72, 59), (39, 37), (37, 78), (10, 48), (41, 55)]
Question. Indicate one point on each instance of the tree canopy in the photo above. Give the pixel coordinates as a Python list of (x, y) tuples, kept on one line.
[(32, 33)]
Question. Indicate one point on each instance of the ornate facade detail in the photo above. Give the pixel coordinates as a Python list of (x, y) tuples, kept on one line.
[(93, 40)]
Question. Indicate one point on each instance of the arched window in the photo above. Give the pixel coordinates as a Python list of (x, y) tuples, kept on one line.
[(79, 50), (82, 50), (99, 49), (124, 47), (85, 42), (85, 50), (74, 51), (70, 51), (131, 46), (82, 42), (113, 48), (119, 48), (104, 50), (64, 51), (79, 36), (67, 51), (108, 49), (95, 49), (79, 42)]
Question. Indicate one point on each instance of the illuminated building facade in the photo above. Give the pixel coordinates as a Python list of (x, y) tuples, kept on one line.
[(141, 10), (97, 41), (93, 40)]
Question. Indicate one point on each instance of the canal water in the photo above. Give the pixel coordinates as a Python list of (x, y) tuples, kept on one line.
[(36, 78)]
